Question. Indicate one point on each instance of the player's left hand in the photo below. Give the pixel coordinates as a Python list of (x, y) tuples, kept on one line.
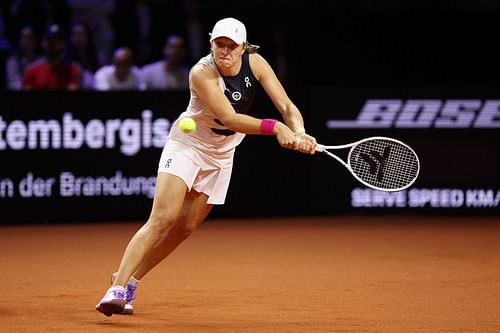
[(305, 143)]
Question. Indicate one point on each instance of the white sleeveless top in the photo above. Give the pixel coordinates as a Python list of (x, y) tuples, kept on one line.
[(204, 138)]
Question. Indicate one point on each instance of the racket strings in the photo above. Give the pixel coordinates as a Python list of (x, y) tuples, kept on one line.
[(383, 163)]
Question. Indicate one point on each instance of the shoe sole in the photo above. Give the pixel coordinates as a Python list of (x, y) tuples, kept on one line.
[(108, 309), (127, 311)]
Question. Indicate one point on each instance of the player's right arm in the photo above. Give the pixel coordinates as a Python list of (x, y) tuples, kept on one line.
[(204, 81)]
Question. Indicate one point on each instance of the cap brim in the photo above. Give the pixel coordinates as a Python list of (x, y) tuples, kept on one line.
[(213, 37)]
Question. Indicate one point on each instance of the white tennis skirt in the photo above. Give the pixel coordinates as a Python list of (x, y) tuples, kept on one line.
[(203, 172)]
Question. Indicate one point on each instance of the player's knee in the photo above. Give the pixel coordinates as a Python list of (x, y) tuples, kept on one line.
[(160, 223), (185, 226), (183, 230)]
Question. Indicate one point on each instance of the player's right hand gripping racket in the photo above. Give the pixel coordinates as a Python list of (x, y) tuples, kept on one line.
[(381, 163)]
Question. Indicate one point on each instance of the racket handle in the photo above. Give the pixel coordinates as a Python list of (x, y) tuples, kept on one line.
[(320, 148)]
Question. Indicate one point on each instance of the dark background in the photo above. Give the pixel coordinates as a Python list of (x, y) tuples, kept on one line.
[(325, 41)]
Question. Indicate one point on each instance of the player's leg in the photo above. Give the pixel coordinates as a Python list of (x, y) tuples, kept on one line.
[(194, 211), (168, 201), (167, 205)]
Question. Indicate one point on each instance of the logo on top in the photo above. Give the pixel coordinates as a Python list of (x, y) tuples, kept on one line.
[(424, 113)]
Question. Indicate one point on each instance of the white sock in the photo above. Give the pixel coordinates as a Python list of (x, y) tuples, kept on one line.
[(119, 287)]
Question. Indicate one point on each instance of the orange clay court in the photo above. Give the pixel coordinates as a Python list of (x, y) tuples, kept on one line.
[(335, 274)]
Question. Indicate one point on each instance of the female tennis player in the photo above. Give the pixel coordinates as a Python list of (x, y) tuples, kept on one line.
[(195, 169)]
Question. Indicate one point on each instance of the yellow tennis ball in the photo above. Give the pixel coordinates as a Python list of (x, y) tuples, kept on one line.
[(187, 125)]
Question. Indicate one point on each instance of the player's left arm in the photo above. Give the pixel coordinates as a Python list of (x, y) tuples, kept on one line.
[(289, 111)]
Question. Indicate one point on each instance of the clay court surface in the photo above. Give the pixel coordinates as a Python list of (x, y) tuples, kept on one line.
[(337, 274)]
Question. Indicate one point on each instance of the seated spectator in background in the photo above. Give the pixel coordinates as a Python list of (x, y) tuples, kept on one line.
[(24, 54), (82, 50), (5, 47), (121, 75), (53, 71), (97, 14), (172, 72)]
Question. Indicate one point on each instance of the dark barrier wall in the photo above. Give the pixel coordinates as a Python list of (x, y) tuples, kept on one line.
[(455, 130), (81, 156), (90, 156)]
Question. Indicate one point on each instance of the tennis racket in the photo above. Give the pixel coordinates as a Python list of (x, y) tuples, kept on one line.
[(381, 163)]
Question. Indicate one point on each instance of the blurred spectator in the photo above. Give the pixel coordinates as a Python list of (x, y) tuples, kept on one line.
[(24, 54), (140, 25), (96, 14), (38, 14), (4, 49), (82, 51), (53, 71), (194, 29), (144, 10), (121, 75), (173, 71)]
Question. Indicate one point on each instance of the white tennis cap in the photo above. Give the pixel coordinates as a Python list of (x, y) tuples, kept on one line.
[(231, 28)]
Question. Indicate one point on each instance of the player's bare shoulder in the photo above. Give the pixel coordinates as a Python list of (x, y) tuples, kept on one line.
[(259, 65), (202, 71), (201, 74)]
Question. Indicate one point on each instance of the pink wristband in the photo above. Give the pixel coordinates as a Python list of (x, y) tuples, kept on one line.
[(267, 126)]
